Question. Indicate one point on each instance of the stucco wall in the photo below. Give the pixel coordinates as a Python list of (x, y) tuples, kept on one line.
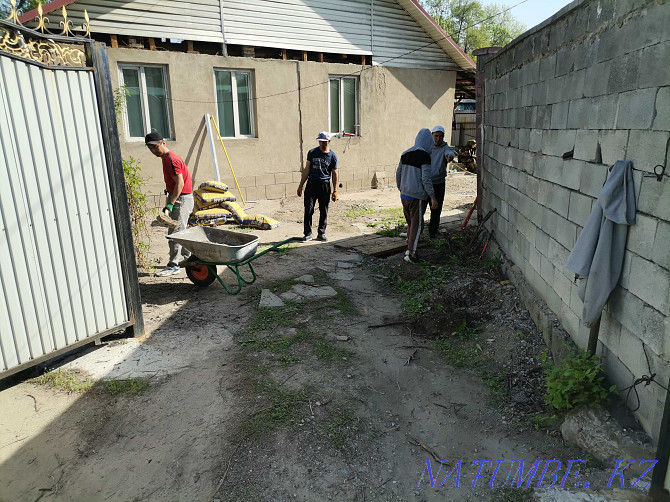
[(593, 79), (394, 104)]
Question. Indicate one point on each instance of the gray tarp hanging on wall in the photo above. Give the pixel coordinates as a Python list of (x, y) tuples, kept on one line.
[(598, 253)]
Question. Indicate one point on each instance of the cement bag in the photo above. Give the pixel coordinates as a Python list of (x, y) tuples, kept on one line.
[(238, 213), (260, 221), (207, 197), (204, 205), (214, 186), (211, 214)]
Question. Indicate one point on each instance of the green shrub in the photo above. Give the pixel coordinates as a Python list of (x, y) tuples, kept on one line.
[(137, 203), (577, 380)]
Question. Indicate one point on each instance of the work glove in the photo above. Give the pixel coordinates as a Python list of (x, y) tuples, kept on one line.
[(334, 196), (168, 208), (299, 192)]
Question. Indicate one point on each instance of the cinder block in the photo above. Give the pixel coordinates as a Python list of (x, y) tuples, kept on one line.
[(547, 68), (623, 75), (661, 249), (662, 118), (636, 109), (576, 304), (613, 146), (559, 114), (586, 146), (535, 140), (542, 241), (562, 286), (647, 149), (523, 138), (546, 270), (638, 317), (276, 191), (532, 187), (533, 72), (641, 236), (625, 270), (631, 352), (534, 258), (596, 83), (284, 178), (569, 59), (558, 255), (558, 142), (570, 322), (593, 179), (581, 111), (605, 112), (559, 201), (650, 283), (610, 331), (571, 174), (566, 232), (580, 208), (654, 198), (255, 193)]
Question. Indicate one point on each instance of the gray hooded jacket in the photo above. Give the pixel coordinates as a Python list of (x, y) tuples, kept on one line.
[(413, 176)]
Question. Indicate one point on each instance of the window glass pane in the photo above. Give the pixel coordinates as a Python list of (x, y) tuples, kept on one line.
[(157, 99), (224, 100), (349, 105), (335, 105), (243, 104), (133, 103)]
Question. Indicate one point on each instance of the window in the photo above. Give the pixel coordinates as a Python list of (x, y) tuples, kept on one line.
[(343, 105), (146, 101), (234, 100)]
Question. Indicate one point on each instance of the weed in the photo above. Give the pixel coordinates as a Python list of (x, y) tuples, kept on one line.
[(280, 251), (65, 380), (541, 421), (283, 408), (464, 332), (577, 380), (459, 357), (121, 94), (358, 211), (281, 286), (345, 305), (416, 293), (271, 318), (339, 426), (327, 353), (496, 381), (512, 495), (131, 386), (137, 203)]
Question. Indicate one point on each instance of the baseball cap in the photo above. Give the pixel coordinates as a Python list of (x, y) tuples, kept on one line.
[(437, 129), (153, 138), (323, 136)]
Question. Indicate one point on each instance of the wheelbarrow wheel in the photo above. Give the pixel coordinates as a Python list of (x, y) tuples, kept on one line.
[(200, 275)]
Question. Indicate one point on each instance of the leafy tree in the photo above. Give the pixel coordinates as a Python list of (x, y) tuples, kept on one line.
[(473, 25), (21, 5)]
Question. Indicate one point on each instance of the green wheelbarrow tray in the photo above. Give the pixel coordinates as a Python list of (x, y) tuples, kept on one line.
[(210, 247)]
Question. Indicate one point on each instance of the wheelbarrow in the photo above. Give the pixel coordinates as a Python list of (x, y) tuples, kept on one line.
[(211, 247)]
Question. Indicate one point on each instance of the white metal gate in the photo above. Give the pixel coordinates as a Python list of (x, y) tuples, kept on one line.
[(62, 282)]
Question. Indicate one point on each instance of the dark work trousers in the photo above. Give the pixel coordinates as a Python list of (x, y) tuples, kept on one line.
[(434, 213), (412, 211), (317, 190)]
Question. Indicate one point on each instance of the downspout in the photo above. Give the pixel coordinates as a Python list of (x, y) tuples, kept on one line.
[(300, 139), (224, 47)]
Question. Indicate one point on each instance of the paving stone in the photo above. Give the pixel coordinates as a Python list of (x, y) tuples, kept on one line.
[(342, 275), (269, 299), (288, 295), (307, 279), (313, 291)]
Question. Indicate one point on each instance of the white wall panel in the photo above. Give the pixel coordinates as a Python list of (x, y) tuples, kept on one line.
[(60, 270)]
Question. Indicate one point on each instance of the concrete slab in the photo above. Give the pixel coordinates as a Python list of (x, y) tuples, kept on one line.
[(269, 299)]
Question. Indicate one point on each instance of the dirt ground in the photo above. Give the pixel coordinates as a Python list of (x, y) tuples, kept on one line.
[(348, 397)]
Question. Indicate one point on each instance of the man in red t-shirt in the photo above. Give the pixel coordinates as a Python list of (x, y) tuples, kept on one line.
[(179, 204)]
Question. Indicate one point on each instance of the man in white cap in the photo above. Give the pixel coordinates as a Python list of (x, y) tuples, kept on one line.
[(320, 169), (440, 155)]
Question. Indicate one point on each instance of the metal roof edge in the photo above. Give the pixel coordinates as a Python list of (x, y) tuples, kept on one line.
[(46, 8)]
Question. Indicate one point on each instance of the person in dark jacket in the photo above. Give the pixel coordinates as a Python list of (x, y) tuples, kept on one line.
[(413, 178)]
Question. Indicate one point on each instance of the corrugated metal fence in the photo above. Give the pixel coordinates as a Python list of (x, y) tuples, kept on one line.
[(61, 278)]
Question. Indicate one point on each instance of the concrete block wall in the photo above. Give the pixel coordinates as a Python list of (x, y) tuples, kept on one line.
[(562, 103)]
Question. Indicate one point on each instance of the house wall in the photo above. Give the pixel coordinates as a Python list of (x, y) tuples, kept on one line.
[(394, 104), (594, 79)]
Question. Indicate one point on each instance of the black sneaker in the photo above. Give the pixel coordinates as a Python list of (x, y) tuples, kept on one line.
[(322, 237), (412, 259), (306, 238)]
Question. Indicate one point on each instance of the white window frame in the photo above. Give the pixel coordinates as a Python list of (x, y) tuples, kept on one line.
[(236, 111), (145, 102), (340, 100)]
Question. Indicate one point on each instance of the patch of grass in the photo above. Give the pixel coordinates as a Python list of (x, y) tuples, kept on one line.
[(541, 421), (339, 426), (282, 285), (459, 357), (130, 386), (512, 495), (417, 292), (283, 250), (65, 380), (496, 381), (344, 304), (329, 353), (358, 211), (271, 318), (464, 332), (283, 408)]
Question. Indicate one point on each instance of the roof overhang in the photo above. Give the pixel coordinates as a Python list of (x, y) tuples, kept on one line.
[(46, 8), (438, 34)]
